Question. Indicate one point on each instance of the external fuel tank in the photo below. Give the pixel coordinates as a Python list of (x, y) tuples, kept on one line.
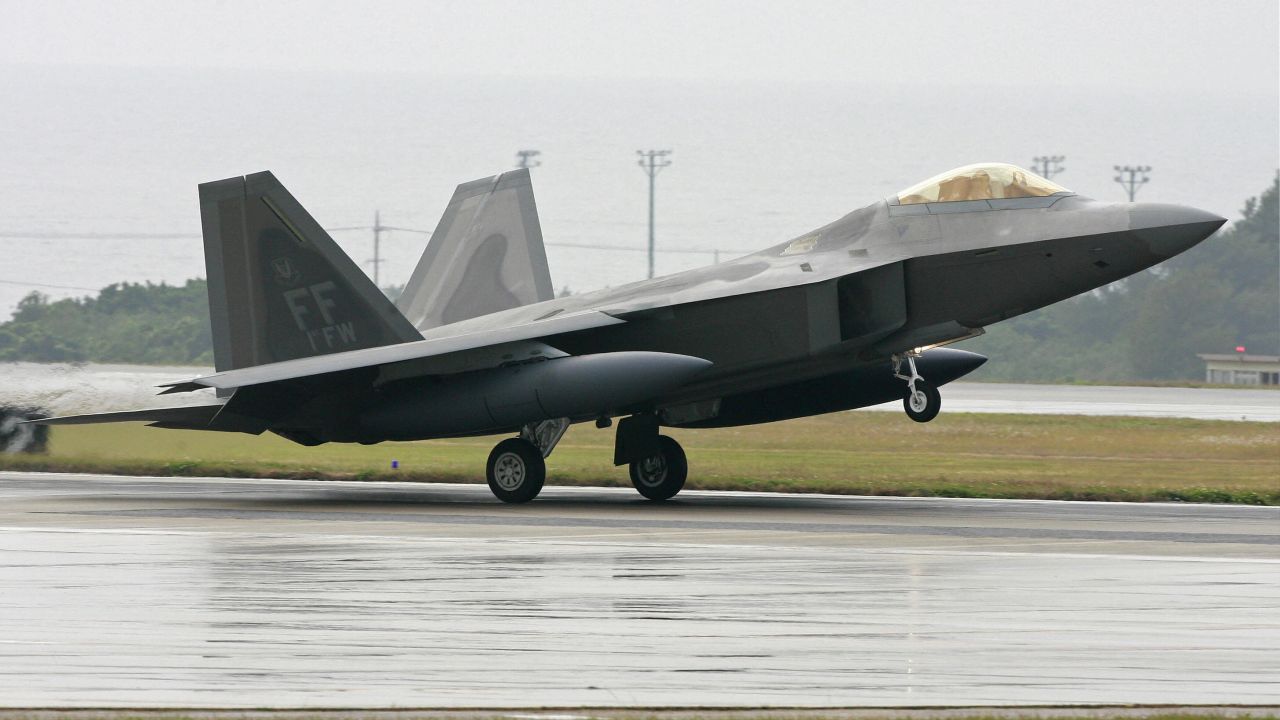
[(505, 398)]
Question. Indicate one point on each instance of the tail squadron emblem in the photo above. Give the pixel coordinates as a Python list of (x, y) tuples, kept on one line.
[(286, 275)]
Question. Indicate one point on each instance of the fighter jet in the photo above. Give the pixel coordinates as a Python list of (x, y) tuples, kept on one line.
[(854, 313)]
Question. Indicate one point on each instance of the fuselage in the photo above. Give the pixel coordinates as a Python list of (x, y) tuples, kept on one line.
[(837, 302)]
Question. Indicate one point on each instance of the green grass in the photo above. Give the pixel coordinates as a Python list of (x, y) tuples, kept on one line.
[(957, 455), (1130, 712)]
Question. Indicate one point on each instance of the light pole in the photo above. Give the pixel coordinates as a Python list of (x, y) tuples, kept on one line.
[(378, 227), (1046, 166), (652, 162), (525, 159), (1129, 180)]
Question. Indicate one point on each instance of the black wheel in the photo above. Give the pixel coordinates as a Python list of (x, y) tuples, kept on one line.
[(516, 471), (661, 476), (923, 404)]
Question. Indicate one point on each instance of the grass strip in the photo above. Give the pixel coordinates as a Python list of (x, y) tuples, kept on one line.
[(1012, 713), (863, 453)]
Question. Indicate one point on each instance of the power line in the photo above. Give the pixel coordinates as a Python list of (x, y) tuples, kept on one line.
[(652, 162), (408, 230), (378, 229), (43, 235), (350, 228), (24, 283), (37, 235), (687, 251)]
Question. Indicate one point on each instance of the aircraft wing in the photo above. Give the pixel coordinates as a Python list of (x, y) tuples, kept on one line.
[(450, 353)]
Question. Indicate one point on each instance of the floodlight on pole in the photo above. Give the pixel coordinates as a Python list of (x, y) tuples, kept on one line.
[(525, 159), (652, 162), (1046, 166), (1129, 178)]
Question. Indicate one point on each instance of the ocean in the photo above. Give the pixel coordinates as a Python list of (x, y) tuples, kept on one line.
[(99, 166)]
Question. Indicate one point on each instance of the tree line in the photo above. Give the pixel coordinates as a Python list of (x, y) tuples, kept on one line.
[(125, 323), (1221, 294)]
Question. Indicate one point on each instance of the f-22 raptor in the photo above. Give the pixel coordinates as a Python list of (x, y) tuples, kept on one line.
[(852, 314)]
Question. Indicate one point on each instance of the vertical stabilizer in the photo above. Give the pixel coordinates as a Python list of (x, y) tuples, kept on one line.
[(279, 287), (485, 255)]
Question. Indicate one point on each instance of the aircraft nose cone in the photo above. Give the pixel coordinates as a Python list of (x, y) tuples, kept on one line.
[(1172, 229)]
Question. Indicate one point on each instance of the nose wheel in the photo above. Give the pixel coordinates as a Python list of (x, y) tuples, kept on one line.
[(922, 401)]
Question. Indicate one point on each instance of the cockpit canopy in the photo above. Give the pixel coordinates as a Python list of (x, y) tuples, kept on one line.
[(984, 181)]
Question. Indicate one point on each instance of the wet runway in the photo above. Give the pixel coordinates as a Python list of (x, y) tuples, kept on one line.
[(257, 593), (1255, 404)]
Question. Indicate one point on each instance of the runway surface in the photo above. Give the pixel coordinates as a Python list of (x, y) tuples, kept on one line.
[(68, 389), (1252, 404), (258, 593)]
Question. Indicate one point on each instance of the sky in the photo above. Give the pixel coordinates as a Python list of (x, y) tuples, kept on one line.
[(782, 115), (1166, 44)]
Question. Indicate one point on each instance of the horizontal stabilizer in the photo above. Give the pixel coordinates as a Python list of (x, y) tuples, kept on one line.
[(196, 417), (513, 336)]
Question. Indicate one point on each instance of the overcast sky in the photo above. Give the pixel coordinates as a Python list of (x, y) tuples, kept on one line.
[(1153, 44)]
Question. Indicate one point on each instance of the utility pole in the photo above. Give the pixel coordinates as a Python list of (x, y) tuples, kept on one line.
[(525, 159), (1129, 180), (652, 162), (377, 246), (1046, 166)]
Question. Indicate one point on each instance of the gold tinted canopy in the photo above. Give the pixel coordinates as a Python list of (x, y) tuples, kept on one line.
[(984, 181)]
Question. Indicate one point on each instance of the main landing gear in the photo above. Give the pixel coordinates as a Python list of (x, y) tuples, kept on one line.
[(516, 471), (517, 466), (662, 475), (922, 401)]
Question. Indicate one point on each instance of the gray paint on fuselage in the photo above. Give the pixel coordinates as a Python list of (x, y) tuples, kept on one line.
[(763, 311), (862, 240), (823, 312)]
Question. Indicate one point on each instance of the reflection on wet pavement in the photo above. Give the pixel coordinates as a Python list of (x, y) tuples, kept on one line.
[(214, 593)]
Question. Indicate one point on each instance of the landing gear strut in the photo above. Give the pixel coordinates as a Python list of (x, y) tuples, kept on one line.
[(922, 401)]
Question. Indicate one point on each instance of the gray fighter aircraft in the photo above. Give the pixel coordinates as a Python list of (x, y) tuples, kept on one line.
[(848, 315)]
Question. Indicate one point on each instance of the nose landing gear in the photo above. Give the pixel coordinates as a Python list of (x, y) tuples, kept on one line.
[(922, 401)]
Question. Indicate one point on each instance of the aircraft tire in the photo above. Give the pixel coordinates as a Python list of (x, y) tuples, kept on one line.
[(515, 471), (924, 404), (661, 476)]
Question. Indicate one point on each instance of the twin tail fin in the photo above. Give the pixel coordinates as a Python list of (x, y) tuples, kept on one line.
[(279, 287)]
